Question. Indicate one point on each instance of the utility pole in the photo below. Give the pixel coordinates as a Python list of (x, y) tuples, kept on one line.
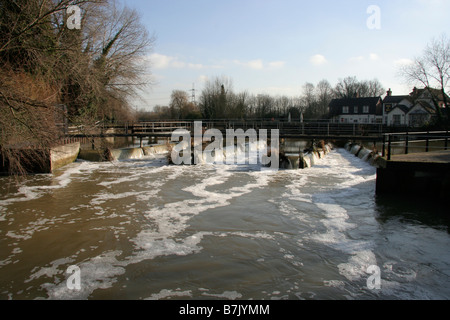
[(193, 94)]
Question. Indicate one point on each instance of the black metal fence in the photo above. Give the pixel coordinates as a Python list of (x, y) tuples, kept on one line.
[(414, 142), (323, 128)]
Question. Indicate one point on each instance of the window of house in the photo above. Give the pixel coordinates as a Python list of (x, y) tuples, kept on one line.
[(397, 120), (345, 109), (366, 109), (355, 109)]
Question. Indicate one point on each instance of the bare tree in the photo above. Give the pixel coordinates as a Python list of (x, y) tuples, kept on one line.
[(432, 70), (324, 95), (351, 87), (44, 64), (309, 100), (178, 104), (215, 97), (376, 89), (347, 88)]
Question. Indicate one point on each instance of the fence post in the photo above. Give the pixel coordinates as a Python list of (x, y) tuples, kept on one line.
[(407, 143), (427, 148), (384, 146), (389, 147), (446, 140)]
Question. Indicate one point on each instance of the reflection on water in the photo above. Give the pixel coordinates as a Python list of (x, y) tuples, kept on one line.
[(426, 212), (144, 230)]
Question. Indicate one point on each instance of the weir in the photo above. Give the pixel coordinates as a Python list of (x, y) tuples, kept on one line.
[(121, 154), (293, 153)]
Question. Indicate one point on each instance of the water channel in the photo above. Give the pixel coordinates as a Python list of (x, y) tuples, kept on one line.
[(142, 229)]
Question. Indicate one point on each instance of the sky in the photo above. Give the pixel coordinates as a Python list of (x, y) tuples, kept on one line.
[(275, 47)]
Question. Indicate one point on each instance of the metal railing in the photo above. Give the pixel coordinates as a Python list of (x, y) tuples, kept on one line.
[(414, 142), (323, 128)]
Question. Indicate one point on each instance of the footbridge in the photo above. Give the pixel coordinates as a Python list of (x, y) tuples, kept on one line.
[(287, 130)]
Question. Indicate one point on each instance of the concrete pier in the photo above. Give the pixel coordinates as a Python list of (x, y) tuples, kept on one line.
[(35, 160), (63, 155), (417, 174)]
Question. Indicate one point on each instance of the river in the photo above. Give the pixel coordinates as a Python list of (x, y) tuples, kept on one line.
[(144, 230)]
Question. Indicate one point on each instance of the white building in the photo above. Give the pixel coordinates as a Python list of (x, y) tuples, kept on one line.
[(356, 110)]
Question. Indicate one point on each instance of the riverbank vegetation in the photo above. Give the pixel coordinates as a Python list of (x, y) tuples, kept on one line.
[(218, 100), (64, 64)]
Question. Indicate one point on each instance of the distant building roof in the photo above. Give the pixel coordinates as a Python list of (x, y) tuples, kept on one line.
[(402, 107), (337, 104), (355, 101), (426, 106), (395, 99), (417, 93)]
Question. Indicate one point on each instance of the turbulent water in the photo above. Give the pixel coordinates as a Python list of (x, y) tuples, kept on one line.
[(144, 230)]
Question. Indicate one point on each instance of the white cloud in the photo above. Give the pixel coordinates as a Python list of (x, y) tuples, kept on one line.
[(318, 60), (195, 66), (403, 62), (203, 78), (256, 64), (259, 64), (356, 59), (253, 64), (160, 61), (277, 64), (374, 57)]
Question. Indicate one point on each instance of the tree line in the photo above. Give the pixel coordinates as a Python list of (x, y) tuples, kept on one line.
[(218, 100), (50, 72)]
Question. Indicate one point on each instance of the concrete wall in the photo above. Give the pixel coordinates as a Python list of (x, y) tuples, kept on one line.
[(63, 155), (429, 180), (43, 161), (424, 180)]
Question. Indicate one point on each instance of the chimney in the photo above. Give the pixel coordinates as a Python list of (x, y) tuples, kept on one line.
[(389, 93)]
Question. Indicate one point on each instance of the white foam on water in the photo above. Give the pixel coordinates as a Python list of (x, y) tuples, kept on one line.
[(256, 235), (356, 267), (169, 221), (166, 223), (100, 272), (230, 295), (334, 284), (149, 248), (28, 193), (41, 224), (49, 271), (168, 294), (338, 221)]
